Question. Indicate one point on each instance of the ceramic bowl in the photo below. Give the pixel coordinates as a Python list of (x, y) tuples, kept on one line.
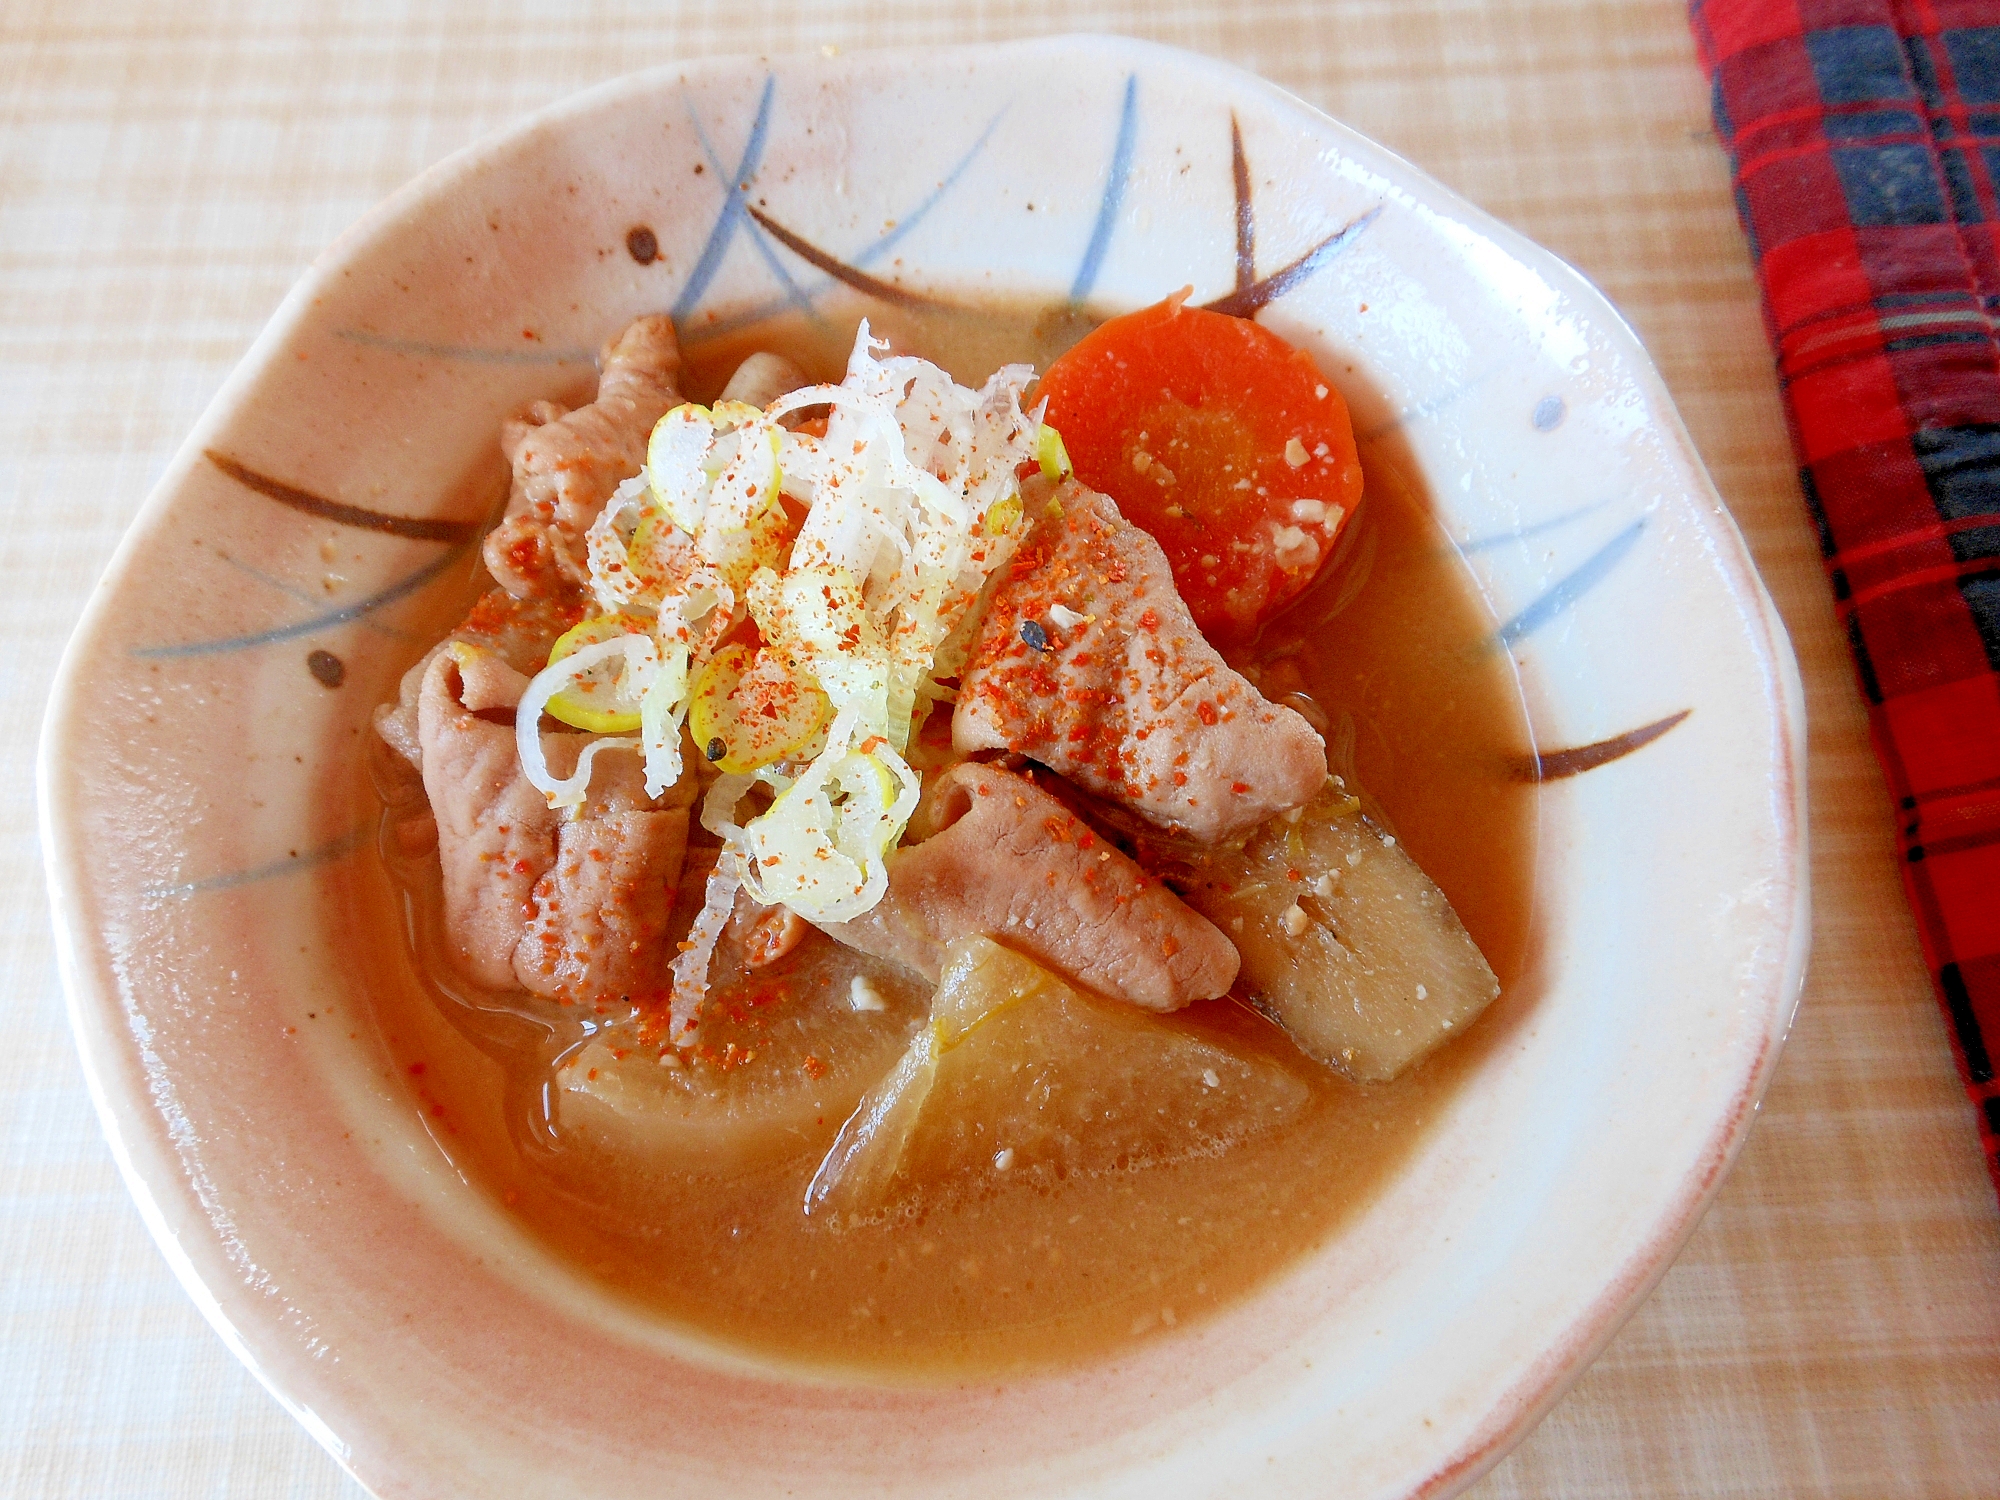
[(207, 828)]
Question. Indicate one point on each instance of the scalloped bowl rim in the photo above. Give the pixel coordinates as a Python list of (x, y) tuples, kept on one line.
[(103, 1025)]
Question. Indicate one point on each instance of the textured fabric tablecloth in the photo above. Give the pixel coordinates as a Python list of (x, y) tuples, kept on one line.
[(1865, 136), (167, 170)]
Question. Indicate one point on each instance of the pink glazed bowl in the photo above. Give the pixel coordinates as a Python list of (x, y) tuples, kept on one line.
[(208, 825)]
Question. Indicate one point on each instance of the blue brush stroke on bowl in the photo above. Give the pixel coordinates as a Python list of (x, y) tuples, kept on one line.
[(1425, 410), (867, 256), (300, 596), (1522, 533), (424, 349), (290, 864), (1566, 591), (731, 215), (1114, 193), (347, 614)]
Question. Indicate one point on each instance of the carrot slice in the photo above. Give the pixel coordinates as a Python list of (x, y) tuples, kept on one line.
[(1223, 441)]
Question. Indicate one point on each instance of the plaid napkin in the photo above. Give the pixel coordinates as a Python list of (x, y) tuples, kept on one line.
[(1865, 136)]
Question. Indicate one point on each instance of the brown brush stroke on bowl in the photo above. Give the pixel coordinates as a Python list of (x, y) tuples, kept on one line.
[(418, 529), (1557, 764)]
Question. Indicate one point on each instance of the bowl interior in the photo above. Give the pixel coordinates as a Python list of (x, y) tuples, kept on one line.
[(207, 820)]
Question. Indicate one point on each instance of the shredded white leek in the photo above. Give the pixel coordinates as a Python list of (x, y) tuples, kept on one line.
[(632, 563), (821, 847), (640, 660), (912, 504), (690, 966)]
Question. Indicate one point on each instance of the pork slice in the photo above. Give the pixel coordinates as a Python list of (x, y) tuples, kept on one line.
[(764, 933), (486, 681), (618, 778), (1009, 861), (762, 378), (513, 637), (601, 908), (567, 463), (1088, 661), (599, 914), (567, 905), (400, 723), (496, 833)]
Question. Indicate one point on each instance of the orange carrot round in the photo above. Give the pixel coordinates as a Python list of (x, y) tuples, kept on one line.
[(1223, 441)]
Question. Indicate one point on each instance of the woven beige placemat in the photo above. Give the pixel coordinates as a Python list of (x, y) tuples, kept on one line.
[(166, 171)]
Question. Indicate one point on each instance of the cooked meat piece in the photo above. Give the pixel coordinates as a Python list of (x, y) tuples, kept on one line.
[(618, 778), (486, 681), (518, 632), (397, 722), (567, 463), (600, 910), (496, 833), (765, 933), (1088, 662), (1004, 858), (570, 905), (763, 378)]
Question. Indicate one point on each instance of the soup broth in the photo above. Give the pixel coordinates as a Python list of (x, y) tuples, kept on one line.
[(1000, 1272)]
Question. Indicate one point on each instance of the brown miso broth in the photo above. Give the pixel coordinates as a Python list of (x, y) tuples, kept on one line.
[(1391, 643)]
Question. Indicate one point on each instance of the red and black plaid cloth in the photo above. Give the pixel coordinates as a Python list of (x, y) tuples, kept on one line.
[(1866, 142)]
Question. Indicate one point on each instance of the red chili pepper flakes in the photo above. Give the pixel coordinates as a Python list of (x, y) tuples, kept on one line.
[(1239, 787), (1205, 711), (1170, 946)]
